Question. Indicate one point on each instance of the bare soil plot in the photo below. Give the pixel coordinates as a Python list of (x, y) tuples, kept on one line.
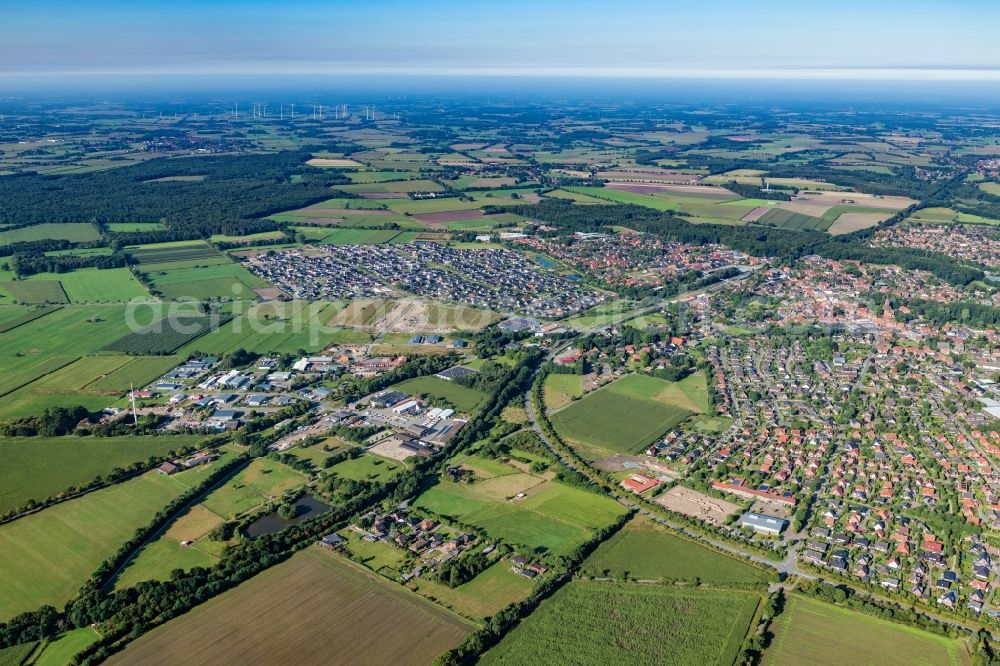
[(391, 449), (363, 313), (755, 214), (706, 191), (848, 222), (697, 505), (448, 216), (315, 608), (333, 162), (383, 195), (333, 212), (649, 176)]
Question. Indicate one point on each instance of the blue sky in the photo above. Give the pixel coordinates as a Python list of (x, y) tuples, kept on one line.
[(711, 38)]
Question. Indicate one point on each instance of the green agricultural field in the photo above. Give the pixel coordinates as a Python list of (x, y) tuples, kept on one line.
[(598, 623), (75, 232), (463, 399), (163, 337), (92, 285), (227, 280), (16, 655), (553, 518), (786, 219), (256, 484), (39, 347), (48, 555), (812, 631), (35, 291), (420, 185), (288, 328), (495, 588), (643, 550), (990, 188), (368, 467), (156, 560), (137, 373), (61, 650), (561, 390), (624, 416), (179, 254), (12, 316)]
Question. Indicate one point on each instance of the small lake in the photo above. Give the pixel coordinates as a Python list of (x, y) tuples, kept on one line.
[(308, 507), (546, 263)]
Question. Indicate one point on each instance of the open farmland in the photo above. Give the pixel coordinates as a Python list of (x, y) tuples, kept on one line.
[(38, 347), (12, 316), (646, 551), (596, 623), (92, 285), (168, 256), (91, 381), (162, 337), (76, 232), (217, 281), (815, 632), (47, 556), (624, 416), (300, 611), (552, 518), (36, 291)]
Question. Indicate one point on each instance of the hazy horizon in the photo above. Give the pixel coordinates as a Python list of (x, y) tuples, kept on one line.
[(61, 42)]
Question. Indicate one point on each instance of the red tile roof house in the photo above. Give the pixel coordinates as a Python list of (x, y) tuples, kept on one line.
[(639, 483)]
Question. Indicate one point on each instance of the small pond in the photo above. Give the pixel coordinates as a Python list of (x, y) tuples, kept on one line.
[(308, 507)]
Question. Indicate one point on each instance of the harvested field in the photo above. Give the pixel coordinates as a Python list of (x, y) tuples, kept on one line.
[(848, 222), (301, 611), (648, 175), (755, 214), (333, 162), (697, 505), (809, 631), (448, 216), (706, 191)]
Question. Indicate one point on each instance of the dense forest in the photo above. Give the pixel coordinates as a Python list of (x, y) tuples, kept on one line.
[(229, 196)]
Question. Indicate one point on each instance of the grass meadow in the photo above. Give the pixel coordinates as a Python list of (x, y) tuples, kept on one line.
[(642, 550), (599, 623), (42, 467), (46, 556), (809, 631)]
